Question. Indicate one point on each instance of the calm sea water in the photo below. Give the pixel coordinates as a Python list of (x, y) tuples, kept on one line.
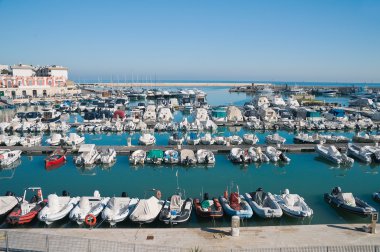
[(307, 175)]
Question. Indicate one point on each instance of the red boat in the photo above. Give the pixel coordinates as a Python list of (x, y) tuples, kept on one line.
[(208, 208), (57, 158), (26, 211)]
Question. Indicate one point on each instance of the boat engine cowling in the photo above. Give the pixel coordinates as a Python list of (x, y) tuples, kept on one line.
[(65, 193), (124, 194), (9, 193)]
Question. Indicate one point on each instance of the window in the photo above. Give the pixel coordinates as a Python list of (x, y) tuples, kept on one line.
[(30, 83), (40, 82), (49, 83)]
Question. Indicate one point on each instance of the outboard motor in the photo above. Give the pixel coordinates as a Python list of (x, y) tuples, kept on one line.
[(336, 190), (205, 196), (206, 159), (9, 193), (124, 194), (242, 158), (65, 193)]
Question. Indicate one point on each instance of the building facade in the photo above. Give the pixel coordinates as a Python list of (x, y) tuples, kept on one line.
[(26, 81)]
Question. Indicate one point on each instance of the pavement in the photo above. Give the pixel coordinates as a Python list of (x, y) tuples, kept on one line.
[(220, 238)]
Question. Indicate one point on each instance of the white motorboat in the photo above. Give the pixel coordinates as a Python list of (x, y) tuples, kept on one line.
[(108, 156), (235, 140), (7, 203), (207, 139), (118, 209), (165, 115), (74, 139), (146, 210), (130, 126), (171, 157), (272, 153), (366, 138), (201, 115), (176, 210), (332, 154), (57, 208), (31, 141), (220, 140), (250, 139), (8, 157), (263, 204), (147, 139), (375, 153), (150, 114), (205, 157), (50, 115), (253, 154), (262, 157), (293, 205), (88, 155), (188, 157), (12, 140), (55, 139), (88, 208), (238, 155), (304, 138), (176, 139), (275, 139), (361, 153), (193, 139), (137, 157)]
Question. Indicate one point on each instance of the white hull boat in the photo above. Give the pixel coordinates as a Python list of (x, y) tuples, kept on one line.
[(205, 157), (361, 153), (137, 157), (108, 156), (118, 209), (293, 205), (238, 155), (263, 204), (8, 157), (146, 210), (207, 139), (250, 139), (332, 154), (188, 157), (147, 139), (275, 139), (57, 208), (236, 140), (88, 207), (88, 155)]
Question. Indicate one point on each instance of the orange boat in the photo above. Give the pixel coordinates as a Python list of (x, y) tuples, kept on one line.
[(56, 159)]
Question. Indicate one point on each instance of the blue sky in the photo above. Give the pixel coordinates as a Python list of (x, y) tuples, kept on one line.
[(292, 40)]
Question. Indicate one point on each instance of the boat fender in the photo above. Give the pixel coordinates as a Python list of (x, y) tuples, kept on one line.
[(90, 220), (124, 194), (65, 193), (158, 194)]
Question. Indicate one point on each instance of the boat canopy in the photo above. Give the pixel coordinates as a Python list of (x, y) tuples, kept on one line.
[(155, 154), (86, 147)]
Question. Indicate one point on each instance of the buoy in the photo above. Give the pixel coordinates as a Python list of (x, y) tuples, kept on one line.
[(90, 220)]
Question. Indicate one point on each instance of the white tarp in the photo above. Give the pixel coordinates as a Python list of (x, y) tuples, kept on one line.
[(146, 209)]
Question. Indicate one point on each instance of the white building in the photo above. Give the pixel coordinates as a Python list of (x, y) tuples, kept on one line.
[(28, 81)]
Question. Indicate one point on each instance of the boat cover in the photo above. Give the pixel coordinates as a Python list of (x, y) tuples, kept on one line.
[(86, 147), (175, 203), (155, 154), (333, 150), (235, 201), (205, 204), (147, 208), (347, 198)]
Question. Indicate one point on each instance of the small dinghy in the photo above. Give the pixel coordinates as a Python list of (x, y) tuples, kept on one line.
[(119, 208), (253, 154), (193, 139), (88, 155), (362, 153), (250, 139), (207, 139), (235, 140), (238, 155), (137, 157), (107, 156), (55, 139), (57, 158), (208, 208), (236, 205), (147, 210), (261, 155), (57, 207), (8, 157), (176, 210), (176, 139), (26, 211), (147, 139), (155, 157), (220, 140), (293, 205), (272, 153), (7, 203), (263, 204), (74, 139), (205, 157), (275, 139), (332, 154), (171, 157), (348, 203), (188, 157), (88, 208)]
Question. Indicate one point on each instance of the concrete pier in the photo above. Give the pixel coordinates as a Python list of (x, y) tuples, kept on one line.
[(340, 237)]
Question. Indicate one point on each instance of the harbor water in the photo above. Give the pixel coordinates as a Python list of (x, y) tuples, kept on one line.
[(306, 174)]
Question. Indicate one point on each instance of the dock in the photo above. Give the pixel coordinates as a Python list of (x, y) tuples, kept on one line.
[(217, 149), (296, 238)]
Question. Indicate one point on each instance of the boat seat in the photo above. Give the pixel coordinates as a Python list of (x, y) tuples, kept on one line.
[(347, 198)]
